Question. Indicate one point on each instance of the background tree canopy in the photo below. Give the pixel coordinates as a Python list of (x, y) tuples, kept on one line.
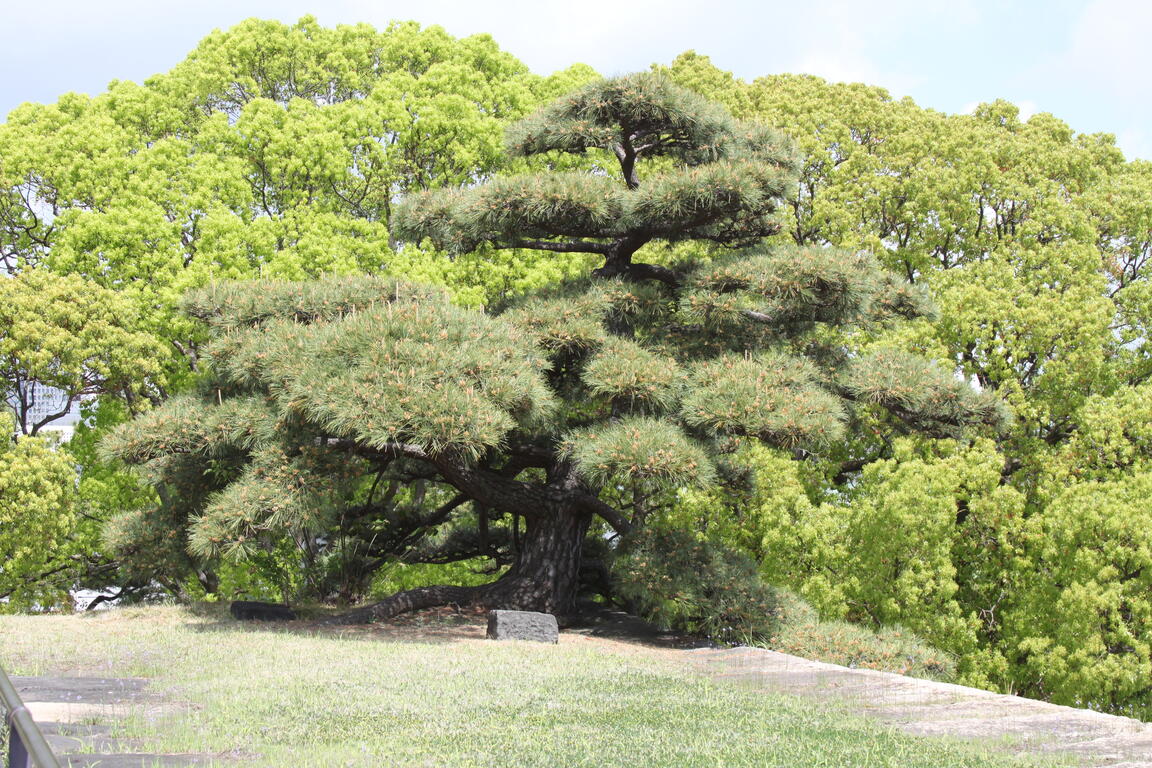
[(1033, 241), (281, 152)]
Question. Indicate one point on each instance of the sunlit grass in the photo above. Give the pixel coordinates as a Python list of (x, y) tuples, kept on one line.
[(271, 697)]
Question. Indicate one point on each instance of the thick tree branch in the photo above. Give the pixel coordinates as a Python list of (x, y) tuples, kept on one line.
[(490, 488), (626, 154), (642, 271), (758, 317), (566, 246), (407, 536), (499, 492), (592, 504)]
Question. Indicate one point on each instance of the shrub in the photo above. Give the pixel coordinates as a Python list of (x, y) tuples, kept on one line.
[(699, 586), (399, 576)]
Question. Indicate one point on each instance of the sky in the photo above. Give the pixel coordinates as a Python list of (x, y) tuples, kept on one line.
[(1085, 61)]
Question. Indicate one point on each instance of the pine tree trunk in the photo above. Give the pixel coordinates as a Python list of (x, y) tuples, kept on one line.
[(544, 578)]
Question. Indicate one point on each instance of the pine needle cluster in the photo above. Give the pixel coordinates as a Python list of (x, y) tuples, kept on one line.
[(724, 184), (302, 371)]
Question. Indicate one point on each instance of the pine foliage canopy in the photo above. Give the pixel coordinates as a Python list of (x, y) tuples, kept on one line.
[(637, 379)]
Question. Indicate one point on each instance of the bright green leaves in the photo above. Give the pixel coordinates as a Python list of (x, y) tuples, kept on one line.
[(773, 397), (1005, 219), (638, 449), (72, 335), (273, 150), (1032, 323), (1121, 206), (1034, 241), (37, 514), (1082, 636), (1113, 438), (928, 540)]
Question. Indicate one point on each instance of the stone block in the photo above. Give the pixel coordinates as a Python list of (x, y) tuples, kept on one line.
[(248, 610), (523, 625)]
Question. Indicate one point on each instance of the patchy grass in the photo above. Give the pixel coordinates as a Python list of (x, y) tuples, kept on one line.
[(850, 645), (298, 695)]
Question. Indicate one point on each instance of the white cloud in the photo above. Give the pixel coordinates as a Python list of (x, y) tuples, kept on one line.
[(852, 38), (1027, 108), (1110, 49), (613, 36), (845, 65)]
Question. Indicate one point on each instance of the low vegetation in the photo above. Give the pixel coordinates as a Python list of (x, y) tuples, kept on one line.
[(271, 696), (887, 650), (703, 587)]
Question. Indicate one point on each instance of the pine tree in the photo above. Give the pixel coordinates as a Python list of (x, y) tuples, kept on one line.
[(640, 378)]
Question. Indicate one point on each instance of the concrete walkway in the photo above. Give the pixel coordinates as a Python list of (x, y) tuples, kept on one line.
[(925, 707), (75, 716)]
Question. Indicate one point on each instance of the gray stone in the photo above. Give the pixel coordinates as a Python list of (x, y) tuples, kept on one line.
[(523, 625), (252, 610)]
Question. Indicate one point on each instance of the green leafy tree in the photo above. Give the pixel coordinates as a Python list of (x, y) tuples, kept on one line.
[(272, 150), (62, 339), (559, 409), (37, 515), (1080, 631), (1034, 242)]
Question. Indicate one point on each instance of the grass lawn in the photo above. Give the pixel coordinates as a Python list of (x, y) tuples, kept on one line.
[(279, 696)]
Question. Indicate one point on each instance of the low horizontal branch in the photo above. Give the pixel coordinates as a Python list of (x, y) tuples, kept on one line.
[(561, 246)]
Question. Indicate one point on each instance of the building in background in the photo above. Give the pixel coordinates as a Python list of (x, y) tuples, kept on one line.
[(45, 402)]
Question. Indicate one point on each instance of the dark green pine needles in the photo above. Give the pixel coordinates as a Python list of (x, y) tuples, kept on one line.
[(624, 386)]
